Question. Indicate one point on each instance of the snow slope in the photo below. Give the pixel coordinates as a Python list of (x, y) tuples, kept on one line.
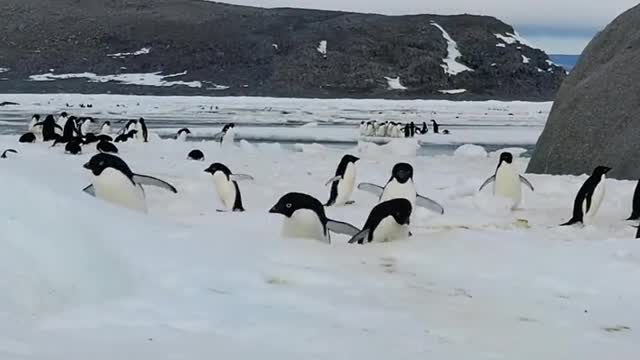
[(83, 279), (451, 65)]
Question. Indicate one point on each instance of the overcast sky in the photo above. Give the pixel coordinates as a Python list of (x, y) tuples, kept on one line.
[(557, 26)]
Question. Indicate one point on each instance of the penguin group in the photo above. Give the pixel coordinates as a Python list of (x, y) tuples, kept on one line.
[(391, 129)]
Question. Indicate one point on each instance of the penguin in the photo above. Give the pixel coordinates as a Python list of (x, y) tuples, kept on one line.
[(425, 128), (401, 185), (125, 137), (305, 218), (84, 125), (382, 130), (49, 128), (228, 134), (106, 147), (343, 182), (34, 120), (104, 137), (445, 132), (412, 129), (142, 130), (387, 221), (506, 182), (90, 138), (635, 204), (183, 134), (589, 197), (73, 147), (27, 138), (227, 186), (370, 129), (363, 128), (62, 120), (106, 128), (407, 131), (4, 154), (131, 125), (436, 127), (195, 155), (70, 130), (397, 133), (114, 182)]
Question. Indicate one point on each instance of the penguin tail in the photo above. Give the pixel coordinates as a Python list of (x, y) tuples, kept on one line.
[(571, 222)]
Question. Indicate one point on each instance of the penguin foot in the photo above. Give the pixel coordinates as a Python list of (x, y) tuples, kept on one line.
[(350, 202), (410, 234)]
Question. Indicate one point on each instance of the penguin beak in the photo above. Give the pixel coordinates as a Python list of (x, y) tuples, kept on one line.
[(607, 170), (87, 166), (274, 209)]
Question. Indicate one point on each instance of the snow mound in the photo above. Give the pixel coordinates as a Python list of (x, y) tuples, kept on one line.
[(451, 65), (453, 92), (394, 83), (144, 79), (395, 147), (471, 151)]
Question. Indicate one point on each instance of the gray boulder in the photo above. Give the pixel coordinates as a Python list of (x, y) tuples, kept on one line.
[(595, 119)]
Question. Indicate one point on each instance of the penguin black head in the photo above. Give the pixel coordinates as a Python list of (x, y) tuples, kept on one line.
[(506, 157), (73, 147), (293, 201), (402, 172), (349, 159), (218, 167), (50, 118), (184, 130), (99, 162), (106, 123), (36, 117), (433, 121), (362, 122), (90, 138), (399, 208), (196, 154), (63, 114), (601, 170), (445, 131)]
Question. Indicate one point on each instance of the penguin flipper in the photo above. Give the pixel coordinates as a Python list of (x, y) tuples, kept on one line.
[(335, 178), (487, 182), (218, 136), (427, 203), (340, 227), (151, 181), (371, 188), (90, 190), (240, 177), (360, 237), (526, 182), (4, 154)]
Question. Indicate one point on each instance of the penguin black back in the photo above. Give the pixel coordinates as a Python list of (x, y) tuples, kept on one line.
[(196, 155), (340, 171), (145, 133), (73, 147), (402, 172), (400, 209), (99, 162), (584, 195), (27, 138), (435, 127), (106, 147)]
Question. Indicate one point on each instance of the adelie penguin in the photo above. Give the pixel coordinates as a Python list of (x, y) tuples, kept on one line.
[(106, 147), (506, 181), (183, 134), (401, 185), (125, 137), (387, 221), (344, 181), (73, 147), (4, 154), (227, 135), (436, 127), (305, 218), (34, 120), (106, 128), (635, 204), (27, 138), (114, 182), (589, 197), (227, 186), (49, 127), (143, 133), (195, 154)]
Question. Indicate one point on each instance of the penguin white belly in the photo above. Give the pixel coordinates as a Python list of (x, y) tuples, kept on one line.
[(596, 199), (116, 188), (388, 230), (395, 190), (382, 130), (106, 130), (305, 224), (85, 127), (228, 137), (31, 123), (225, 189), (370, 130), (363, 129), (346, 185), (507, 185), (182, 136)]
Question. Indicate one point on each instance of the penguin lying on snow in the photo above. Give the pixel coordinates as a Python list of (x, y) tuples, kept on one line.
[(125, 137), (4, 154), (401, 185), (73, 147), (387, 221), (305, 218), (227, 186), (183, 134), (343, 183), (589, 197), (195, 154), (114, 182), (506, 183), (27, 138), (106, 147)]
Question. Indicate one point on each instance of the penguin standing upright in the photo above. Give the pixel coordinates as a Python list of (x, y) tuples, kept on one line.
[(363, 128), (382, 129), (106, 128), (370, 131), (228, 134), (49, 128), (412, 128), (182, 134), (142, 130), (425, 128), (436, 127), (506, 182), (305, 218), (114, 182), (227, 186), (387, 221), (343, 182), (34, 120), (589, 197), (407, 131), (401, 185)]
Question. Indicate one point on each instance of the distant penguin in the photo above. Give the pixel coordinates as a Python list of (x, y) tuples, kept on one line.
[(142, 130), (506, 182), (49, 128), (399, 129), (401, 185), (227, 186), (425, 128), (73, 147), (106, 128), (34, 120), (4, 154), (445, 132), (305, 218), (635, 204), (27, 138), (436, 127), (412, 129), (343, 182), (183, 134), (90, 138), (228, 136), (363, 128), (127, 136), (114, 182), (85, 125), (387, 221), (106, 147), (195, 155), (371, 131), (589, 197), (407, 131), (382, 130), (131, 125)]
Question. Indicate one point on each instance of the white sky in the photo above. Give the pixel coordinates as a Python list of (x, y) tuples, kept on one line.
[(580, 18)]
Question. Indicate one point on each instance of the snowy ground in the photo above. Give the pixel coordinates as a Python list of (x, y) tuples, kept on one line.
[(83, 279)]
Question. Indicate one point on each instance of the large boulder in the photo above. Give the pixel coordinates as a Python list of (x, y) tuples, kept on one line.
[(595, 119)]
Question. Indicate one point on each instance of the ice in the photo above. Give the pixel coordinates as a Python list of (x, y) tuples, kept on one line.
[(394, 83), (148, 79), (454, 91), (451, 65), (143, 51), (471, 151)]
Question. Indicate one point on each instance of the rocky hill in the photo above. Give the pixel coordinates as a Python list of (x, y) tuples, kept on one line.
[(594, 120), (131, 46)]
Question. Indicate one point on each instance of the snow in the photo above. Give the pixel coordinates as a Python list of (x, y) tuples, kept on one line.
[(513, 38), (275, 46), (471, 151), (501, 45), (394, 83), (144, 79), (322, 48), (525, 60), (91, 280), (454, 91), (451, 65), (143, 51), (2, 70)]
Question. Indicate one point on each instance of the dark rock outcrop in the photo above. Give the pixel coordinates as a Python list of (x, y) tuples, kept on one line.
[(258, 51), (595, 119)]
